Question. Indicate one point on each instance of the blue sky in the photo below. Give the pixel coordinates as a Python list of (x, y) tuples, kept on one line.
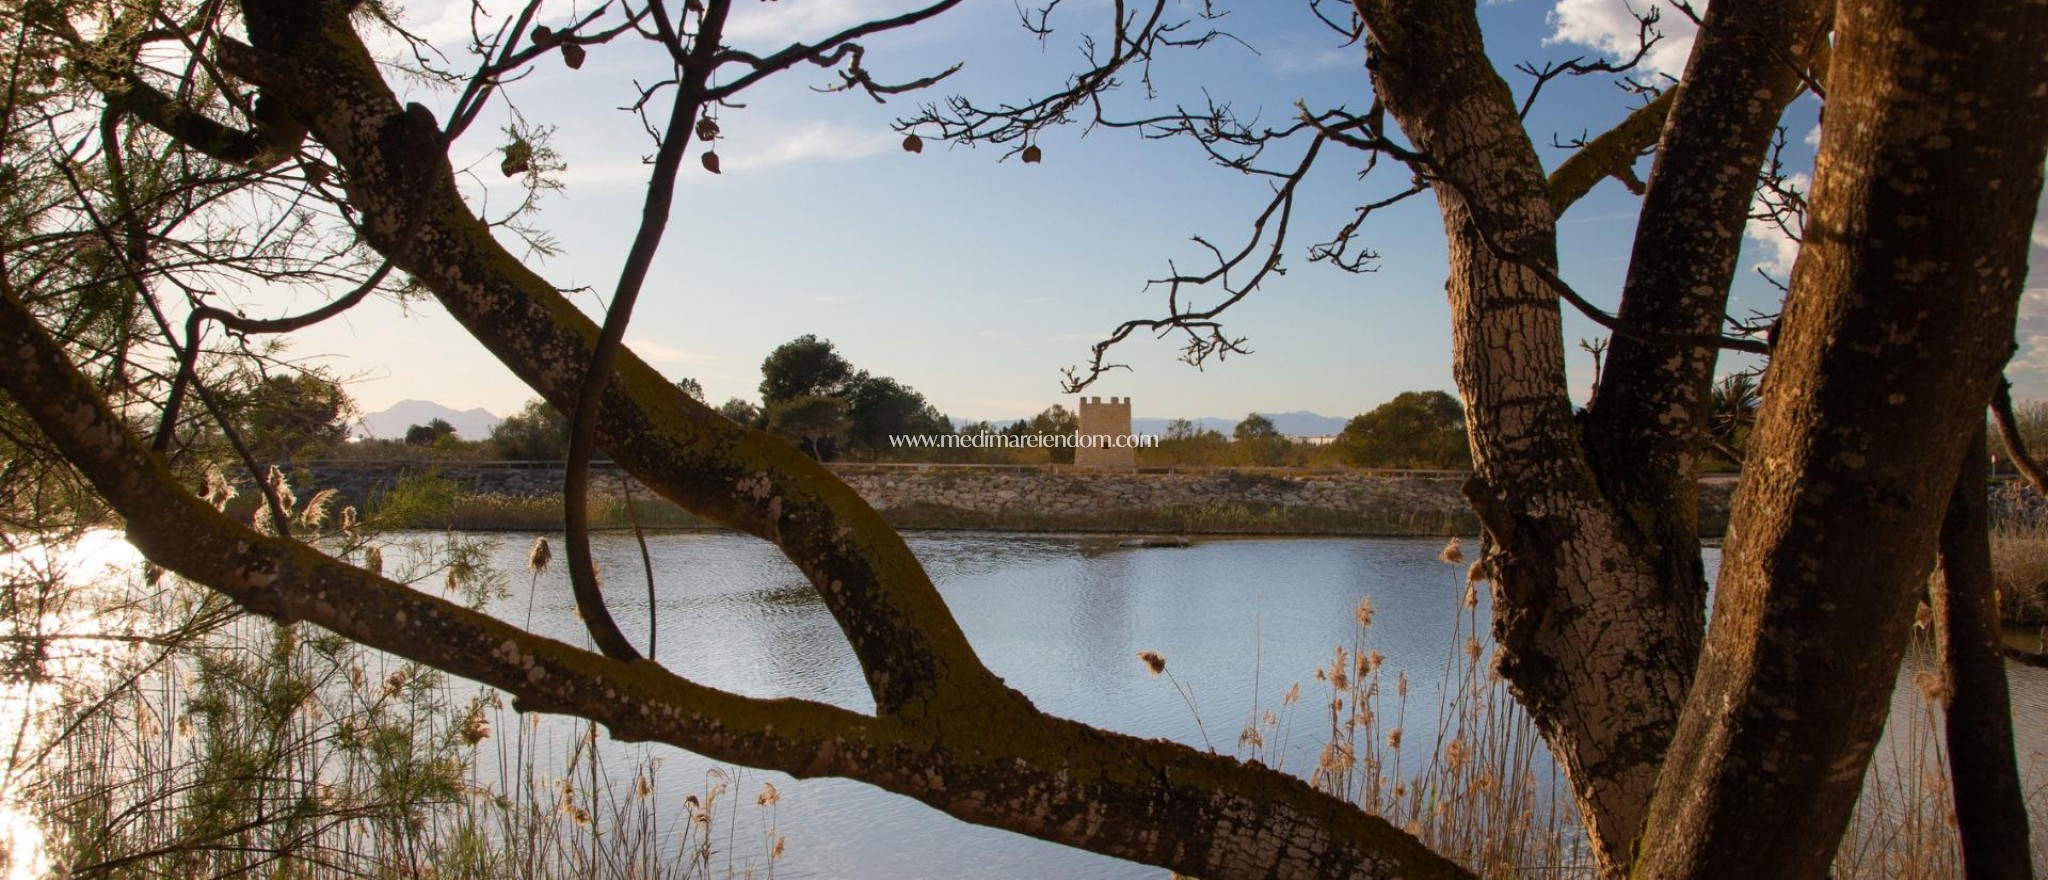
[(975, 280)]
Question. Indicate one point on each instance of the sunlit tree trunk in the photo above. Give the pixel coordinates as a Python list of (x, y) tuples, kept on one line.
[(1900, 316)]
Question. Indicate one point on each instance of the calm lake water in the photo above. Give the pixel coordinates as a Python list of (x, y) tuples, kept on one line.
[(1060, 618)]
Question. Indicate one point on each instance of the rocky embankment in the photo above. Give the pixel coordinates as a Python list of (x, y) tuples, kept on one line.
[(1192, 500)]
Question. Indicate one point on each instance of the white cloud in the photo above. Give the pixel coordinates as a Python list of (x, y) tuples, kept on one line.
[(805, 20), (1610, 27), (2029, 366), (2041, 230), (1779, 250), (446, 23), (818, 141), (1812, 138), (749, 144), (657, 353)]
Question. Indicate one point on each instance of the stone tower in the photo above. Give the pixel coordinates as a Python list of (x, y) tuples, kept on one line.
[(1105, 423)]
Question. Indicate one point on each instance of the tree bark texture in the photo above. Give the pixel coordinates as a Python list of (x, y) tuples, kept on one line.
[(1899, 317), (1598, 591), (1644, 422)]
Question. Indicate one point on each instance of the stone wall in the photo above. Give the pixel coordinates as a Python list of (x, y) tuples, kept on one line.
[(1199, 500)]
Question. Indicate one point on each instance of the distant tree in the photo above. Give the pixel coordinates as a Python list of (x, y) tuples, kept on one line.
[(1256, 442), (535, 433), (1188, 444), (741, 412), (1731, 413), (878, 407), (802, 367), (691, 387), (286, 414), (814, 423), (1417, 429), (428, 434), (1057, 421), (1255, 427)]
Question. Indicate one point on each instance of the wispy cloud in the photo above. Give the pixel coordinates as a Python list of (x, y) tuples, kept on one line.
[(1610, 27), (655, 352), (751, 145), (833, 299), (2029, 366), (446, 23), (806, 20), (1303, 56), (818, 141)]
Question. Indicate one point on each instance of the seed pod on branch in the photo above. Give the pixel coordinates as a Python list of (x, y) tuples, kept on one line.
[(518, 158)]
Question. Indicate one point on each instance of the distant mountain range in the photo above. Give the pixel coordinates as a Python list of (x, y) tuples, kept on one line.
[(1300, 423), (390, 424)]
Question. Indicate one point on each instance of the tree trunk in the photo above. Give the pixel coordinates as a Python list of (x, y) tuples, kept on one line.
[(1585, 626), (1991, 807), (1645, 422), (1900, 315)]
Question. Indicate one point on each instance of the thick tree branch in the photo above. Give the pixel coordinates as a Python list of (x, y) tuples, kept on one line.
[(1650, 409), (911, 649), (1611, 154), (995, 761)]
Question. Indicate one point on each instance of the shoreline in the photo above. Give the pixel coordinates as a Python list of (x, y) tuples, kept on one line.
[(1012, 498)]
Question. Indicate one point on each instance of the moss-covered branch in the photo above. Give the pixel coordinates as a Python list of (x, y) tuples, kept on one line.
[(911, 649), (1611, 154)]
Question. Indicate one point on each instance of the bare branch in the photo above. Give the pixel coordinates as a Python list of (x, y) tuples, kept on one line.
[(830, 47), (1647, 36), (1205, 337), (2009, 434)]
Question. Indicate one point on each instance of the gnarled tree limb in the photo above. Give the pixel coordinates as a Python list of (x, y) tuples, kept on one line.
[(962, 742)]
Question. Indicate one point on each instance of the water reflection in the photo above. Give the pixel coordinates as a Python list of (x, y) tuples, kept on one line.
[(1061, 619)]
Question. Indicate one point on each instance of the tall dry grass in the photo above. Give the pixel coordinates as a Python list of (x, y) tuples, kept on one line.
[(2019, 566), (1483, 790), (159, 732)]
